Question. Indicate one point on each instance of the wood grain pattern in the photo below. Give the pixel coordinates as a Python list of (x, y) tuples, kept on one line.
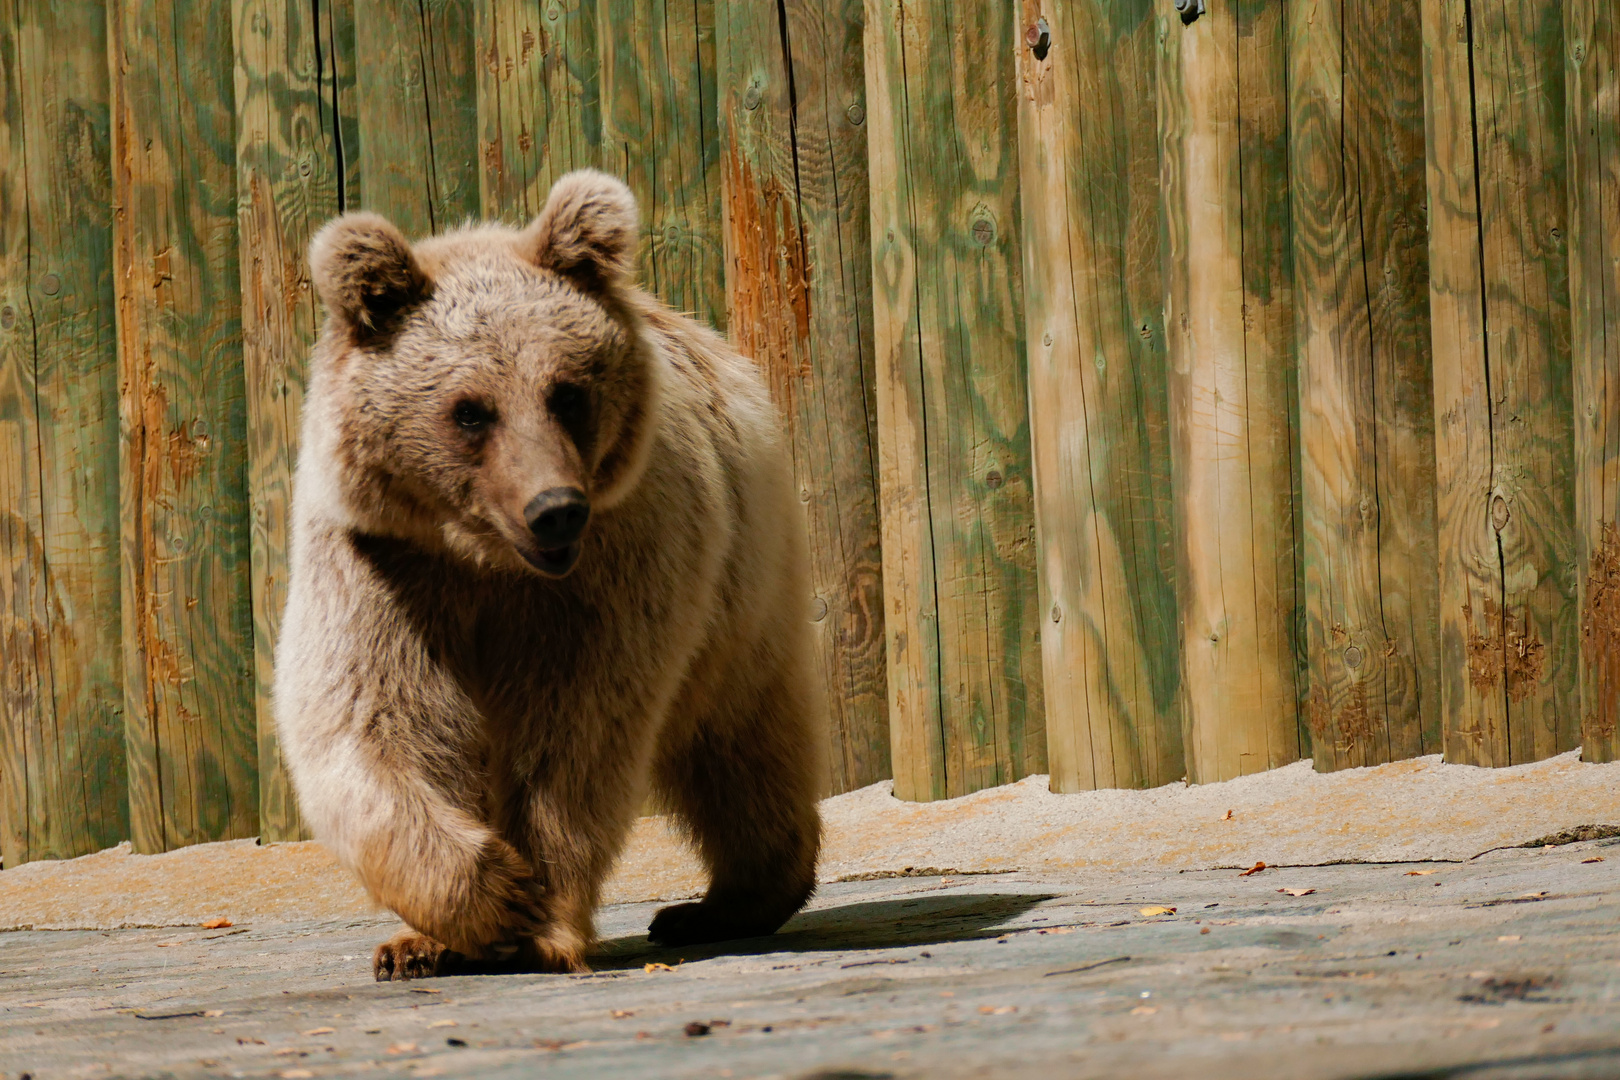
[(295, 105), (187, 614), (1366, 403), (1499, 296), (417, 103), (539, 99), (1223, 131), (1094, 303), (960, 587), (660, 135), (62, 775), (799, 290), (1592, 63)]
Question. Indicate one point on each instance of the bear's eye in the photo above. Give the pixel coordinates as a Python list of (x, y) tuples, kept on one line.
[(569, 403), (471, 416)]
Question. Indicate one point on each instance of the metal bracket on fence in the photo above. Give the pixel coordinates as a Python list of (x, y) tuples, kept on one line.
[(1190, 10), (1039, 38)]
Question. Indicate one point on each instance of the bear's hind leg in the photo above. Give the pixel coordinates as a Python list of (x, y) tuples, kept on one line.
[(745, 786)]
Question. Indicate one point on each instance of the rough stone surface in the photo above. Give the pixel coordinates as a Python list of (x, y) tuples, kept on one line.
[(1494, 966)]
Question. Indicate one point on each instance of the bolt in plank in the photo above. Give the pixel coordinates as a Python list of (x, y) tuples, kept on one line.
[(417, 102), (1592, 63), (62, 769), (799, 291), (1229, 283), (1366, 405), (1500, 311), (539, 100), (1099, 426), (958, 522), (295, 134), (187, 614)]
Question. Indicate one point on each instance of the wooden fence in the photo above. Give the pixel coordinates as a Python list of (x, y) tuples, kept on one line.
[(1166, 399)]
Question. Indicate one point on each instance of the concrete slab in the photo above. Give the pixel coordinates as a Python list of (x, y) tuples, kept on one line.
[(1503, 966)]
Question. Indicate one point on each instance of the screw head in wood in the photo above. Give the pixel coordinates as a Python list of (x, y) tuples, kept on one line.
[(994, 479), (751, 97), (984, 231), (1352, 657), (1039, 38), (50, 284), (855, 114), (818, 609)]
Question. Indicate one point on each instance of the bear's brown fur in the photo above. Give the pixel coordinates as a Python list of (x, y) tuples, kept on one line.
[(471, 719)]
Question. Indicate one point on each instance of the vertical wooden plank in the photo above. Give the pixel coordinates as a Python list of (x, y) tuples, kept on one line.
[(1592, 59), (966, 707), (1366, 402), (294, 79), (1097, 393), (62, 775), (539, 99), (187, 616), (1499, 296), (1222, 120), (660, 135), (417, 105), (799, 289)]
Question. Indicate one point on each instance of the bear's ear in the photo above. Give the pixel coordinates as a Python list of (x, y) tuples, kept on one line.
[(587, 230), (366, 273)]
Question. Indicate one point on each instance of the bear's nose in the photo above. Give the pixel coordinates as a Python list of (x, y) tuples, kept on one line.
[(557, 516)]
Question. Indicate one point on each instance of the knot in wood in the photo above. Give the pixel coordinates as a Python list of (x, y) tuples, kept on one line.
[(1057, 613), (8, 317), (1352, 657), (1499, 513), (994, 479), (984, 231), (751, 97), (50, 284)]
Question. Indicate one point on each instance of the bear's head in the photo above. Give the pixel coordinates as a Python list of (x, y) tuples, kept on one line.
[(487, 391)]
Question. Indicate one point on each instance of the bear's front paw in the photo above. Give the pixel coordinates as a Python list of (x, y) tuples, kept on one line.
[(703, 922), (409, 955)]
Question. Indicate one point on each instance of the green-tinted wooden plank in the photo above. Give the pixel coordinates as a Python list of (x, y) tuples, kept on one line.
[(1366, 401), (960, 589), (1592, 59), (660, 134), (1499, 301), (294, 80), (539, 99), (1097, 392), (62, 775), (799, 289), (187, 617), (1223, 131), (418, 112)]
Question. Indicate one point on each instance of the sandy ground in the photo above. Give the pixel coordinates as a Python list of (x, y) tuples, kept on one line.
[(1412, 810)]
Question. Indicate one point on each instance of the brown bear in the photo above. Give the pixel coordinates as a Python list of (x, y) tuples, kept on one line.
[(546, 558)]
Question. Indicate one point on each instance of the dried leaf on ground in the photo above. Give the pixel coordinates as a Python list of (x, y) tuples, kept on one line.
[(1149, 912), (1510, 937), (1297, 892), (320, 1031), (1255, 869), (623, 1014), (997, 1010), (650, 968), (403, 1048), (1595, 858), (1228, 816), (1144, 1010), (436, 1023), (1420, 873), (217, 924)]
